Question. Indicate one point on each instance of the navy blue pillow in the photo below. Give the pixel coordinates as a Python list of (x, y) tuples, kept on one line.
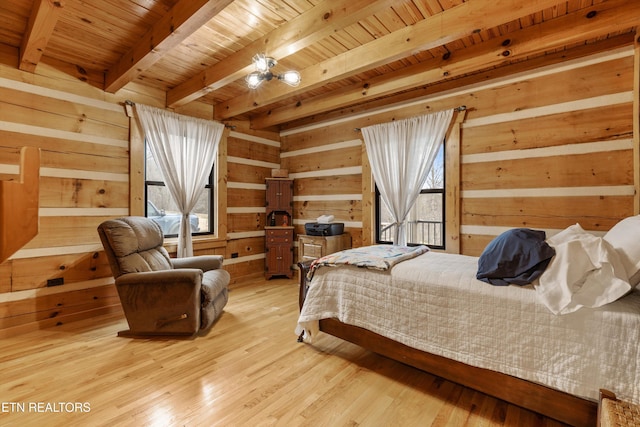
[(518, 257)]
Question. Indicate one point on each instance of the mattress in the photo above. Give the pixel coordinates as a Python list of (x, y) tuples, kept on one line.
[(435, 303)]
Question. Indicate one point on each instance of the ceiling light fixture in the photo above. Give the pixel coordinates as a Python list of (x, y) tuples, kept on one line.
[(263, 72)]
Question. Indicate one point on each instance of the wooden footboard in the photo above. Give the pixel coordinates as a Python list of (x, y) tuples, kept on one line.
[(535, 397)]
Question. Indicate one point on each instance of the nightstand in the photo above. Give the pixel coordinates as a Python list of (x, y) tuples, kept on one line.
[(312, 247)]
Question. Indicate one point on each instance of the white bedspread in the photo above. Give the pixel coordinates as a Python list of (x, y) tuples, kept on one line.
[(435, 303)]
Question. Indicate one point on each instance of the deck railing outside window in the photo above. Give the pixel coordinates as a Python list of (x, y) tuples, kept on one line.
[(420, 232)]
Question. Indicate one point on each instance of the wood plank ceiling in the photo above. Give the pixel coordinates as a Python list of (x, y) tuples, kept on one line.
[(348, 52)]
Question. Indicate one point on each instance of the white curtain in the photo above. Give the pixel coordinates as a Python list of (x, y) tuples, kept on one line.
[(401, 153), (185, 149)]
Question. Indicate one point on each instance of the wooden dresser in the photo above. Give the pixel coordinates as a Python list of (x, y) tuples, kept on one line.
[(279, 234)]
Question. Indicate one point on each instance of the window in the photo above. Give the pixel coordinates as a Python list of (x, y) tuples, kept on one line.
[(161, 208), (425, 222)]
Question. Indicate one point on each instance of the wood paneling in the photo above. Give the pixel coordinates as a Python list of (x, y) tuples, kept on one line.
[(248, 149), (49, 141), (599, 79), (5, 277), (71, 268), (63, 231), (63, 114), (241, 197), (551, 130), (596, 213), (248, 173), (83, 193), (327, 160), (253, 155), (343, 210), (245, 247), (339, 158), (452, 209), (241, 270), (593, 169), (240, 222), (55, 307), (328, 185), (84, 177), (74, 161), (318, 136)]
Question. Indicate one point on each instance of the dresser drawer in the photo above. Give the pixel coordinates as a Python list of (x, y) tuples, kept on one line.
[(312, 247), (279, 235), (311, 250)]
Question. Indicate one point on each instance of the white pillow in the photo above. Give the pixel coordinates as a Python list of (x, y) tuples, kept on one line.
[(625, 238), (573, 232), (586, 272)]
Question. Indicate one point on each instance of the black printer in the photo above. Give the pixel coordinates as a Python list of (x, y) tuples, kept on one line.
[(324, 229)]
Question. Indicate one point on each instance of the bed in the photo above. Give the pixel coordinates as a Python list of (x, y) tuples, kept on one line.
[(431, 312)]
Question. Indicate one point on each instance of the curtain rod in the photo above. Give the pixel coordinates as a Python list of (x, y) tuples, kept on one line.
[(128, 104), (458, 109)]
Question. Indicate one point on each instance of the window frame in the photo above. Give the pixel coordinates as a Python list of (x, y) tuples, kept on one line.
[(378, 203), (209, 185)]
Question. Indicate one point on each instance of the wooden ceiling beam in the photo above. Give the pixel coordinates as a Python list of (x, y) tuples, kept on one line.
[(180, 22), (40, 27), (434, 94), (452, 24), (293, 36), (610, 17)]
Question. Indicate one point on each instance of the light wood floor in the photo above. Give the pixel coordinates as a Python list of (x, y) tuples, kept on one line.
[(248, 370)]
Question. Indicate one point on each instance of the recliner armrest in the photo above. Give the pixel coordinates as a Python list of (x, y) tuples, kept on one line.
[(203, 262), (161, 277)]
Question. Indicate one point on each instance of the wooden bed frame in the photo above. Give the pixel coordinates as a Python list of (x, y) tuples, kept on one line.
[(555, 404)]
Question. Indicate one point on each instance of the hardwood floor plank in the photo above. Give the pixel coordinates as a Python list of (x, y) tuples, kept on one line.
[(248, 370)]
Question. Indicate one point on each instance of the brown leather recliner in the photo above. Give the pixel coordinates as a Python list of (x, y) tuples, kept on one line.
[(162, 295)]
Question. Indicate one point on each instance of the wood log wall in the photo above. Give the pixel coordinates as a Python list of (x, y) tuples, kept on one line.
[(251, 157), (542, 148), (84, 179)]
